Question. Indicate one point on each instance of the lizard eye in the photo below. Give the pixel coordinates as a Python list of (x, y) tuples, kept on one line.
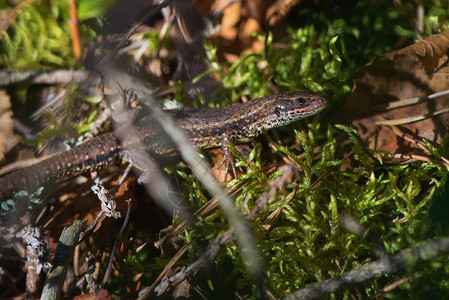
[(300, 101)]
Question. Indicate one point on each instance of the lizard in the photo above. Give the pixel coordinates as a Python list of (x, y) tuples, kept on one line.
[(205, 127)]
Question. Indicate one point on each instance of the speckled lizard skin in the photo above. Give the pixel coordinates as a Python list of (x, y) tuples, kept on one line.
[(205, 127)]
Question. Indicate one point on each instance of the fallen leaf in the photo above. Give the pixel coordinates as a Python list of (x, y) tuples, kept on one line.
[(416, 71)]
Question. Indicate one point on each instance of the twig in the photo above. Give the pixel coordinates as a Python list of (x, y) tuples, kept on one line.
[(63, 255), (73, 24), (412, 119), (163, 275), (11, 17), (125, 222), (154, 10), (43, 77), (375, 269), (212, 251), (36, 255), (407, 102)]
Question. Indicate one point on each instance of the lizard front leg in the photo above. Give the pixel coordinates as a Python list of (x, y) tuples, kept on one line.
[(227, 155)]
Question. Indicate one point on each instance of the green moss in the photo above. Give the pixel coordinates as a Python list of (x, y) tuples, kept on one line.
[(312, 62), (307, 244), (39, 38)]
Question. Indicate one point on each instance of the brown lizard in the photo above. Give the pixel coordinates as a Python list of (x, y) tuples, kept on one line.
[(205, 127)]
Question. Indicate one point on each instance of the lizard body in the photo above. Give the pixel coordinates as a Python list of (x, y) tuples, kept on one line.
[(205, 127)]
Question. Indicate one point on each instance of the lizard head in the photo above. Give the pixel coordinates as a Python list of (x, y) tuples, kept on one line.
[(283, 109), (292, 106)]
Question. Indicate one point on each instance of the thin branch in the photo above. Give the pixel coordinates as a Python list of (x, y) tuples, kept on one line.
[(63, 255), (122, 229), (411, 101), (43, 77), (412, 119), (375, 269)]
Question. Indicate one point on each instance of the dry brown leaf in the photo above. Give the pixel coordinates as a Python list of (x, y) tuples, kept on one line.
[(86, 206), (418, 70), (99, 295), (239, 22), (231, 17), (279, 9)]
